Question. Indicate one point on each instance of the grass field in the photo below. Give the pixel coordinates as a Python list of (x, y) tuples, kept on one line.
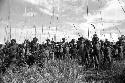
[(60, 71)]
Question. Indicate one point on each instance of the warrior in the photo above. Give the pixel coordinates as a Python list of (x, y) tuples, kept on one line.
[(26, 46), (119, 45), (12, 52), (73, 49), (34, 52), (62, 48), (107, 53), (88, 48), (48, 43), (96, 50), (6, 49), (13, 48), (47, 49), (34, 45), (78, 43), (82, 51)]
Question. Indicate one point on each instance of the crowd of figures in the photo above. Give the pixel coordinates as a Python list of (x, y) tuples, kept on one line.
[(95, 54)]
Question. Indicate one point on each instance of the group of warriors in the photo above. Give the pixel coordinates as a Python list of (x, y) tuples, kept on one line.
[(91, 54)]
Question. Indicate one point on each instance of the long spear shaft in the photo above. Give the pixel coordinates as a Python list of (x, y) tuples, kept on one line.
[(121, 6), (87, 8), (9, 18)]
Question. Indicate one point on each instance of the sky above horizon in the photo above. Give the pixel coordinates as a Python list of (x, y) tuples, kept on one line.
[(69, 16)]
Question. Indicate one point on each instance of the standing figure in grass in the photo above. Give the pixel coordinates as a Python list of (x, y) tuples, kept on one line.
[(73, 49), (82, 51), (96, 50)]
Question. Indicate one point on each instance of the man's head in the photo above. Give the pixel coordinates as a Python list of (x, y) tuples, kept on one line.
[(13, 41), (78, 39), (106, 39), (35, 39), (47, 40), (119, 38), (73, 41), (82, 39), (63, 39), (52, 42), (95, 35), (123, 37)]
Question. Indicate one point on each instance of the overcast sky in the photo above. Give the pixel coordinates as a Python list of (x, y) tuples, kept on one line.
[(69, 16)]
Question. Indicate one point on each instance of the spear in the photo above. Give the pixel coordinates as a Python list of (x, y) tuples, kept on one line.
[(87, 8), (88, 32), (93, 27), (10, 33), (87, 15), (35, 30), (118, 30), (6, 31), (9, 18), (121, 6)]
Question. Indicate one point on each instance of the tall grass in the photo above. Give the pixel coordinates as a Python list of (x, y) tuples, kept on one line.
[(53, 71)]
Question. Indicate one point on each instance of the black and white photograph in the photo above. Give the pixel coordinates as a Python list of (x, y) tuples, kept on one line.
[(62, 41)]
